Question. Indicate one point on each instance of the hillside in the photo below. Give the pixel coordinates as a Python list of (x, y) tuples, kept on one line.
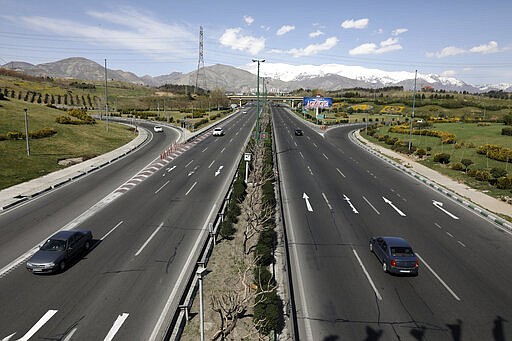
[(280, 77)]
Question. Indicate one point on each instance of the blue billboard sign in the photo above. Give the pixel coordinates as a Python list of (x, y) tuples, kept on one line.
[(317, 102)]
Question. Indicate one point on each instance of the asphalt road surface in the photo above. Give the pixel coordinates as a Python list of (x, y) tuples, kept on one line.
[(148, 219), (335, 197)]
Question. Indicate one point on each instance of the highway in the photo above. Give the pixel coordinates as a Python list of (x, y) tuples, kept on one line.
[(148, 220), (335, 197)]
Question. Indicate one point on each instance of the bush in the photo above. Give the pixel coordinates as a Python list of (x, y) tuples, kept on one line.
[(505, 182), (458, 166), (41, 133), (268, 193), (264, 249), (498, 172), (506, 131), (63, 120), (421, 152), (268, 313), (482, 175), (227, 229), (442, 158)]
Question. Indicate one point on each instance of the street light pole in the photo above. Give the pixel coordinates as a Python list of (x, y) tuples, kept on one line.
[(26, 132), (258, 97), (106, 94), (412, 115), (200, 274)]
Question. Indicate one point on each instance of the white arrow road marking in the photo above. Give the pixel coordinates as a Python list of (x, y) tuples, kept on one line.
[(218, 171), (115, 327), (192, 171), (387, 201), (347, 199), (308, 205), (42, 321), (439, 205)]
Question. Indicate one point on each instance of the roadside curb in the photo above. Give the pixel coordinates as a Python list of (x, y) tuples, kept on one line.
[(450, 193)]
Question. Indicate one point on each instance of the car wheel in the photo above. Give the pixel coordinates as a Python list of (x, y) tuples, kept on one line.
[(62, 266), (384, 267), (87, 245), (371, 247)]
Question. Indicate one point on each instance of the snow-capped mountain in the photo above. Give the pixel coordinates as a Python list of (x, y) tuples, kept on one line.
[(288, 73), (280, 77)]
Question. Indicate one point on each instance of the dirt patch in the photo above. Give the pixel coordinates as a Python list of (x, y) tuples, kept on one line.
[(71, 161)]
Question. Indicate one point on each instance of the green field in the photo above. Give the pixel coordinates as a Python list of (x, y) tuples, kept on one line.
[(70, 141), (469, 137)]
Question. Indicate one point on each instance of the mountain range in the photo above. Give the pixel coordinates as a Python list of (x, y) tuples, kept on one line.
[(279, 77)]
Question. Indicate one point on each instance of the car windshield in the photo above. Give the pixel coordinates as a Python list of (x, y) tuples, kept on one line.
[(401, 251), (54, 245)]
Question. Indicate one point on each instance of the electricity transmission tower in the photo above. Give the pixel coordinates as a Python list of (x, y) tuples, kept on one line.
[(200, 63)]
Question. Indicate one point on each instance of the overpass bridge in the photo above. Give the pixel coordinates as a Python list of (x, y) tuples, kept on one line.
[(290, 100)]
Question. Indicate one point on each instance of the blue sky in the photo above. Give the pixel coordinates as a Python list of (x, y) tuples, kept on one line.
[(470, 41)]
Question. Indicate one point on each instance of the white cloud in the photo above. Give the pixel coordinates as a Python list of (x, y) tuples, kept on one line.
[(233, 38), (449, 73), (388, 45), (359, 24), (285, 29), (447, 52), (248, 19), (315, 34), (314, 48), (490, 47), (135, 31), (399, 31)]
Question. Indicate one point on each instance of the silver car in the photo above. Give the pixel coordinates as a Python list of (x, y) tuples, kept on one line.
[(218, 132), (58, 251), (395, 254)]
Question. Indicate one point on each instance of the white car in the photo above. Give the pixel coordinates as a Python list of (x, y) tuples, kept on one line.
[(158, 129), (218, 132)]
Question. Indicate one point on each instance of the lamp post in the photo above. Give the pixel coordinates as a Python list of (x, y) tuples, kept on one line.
[(106, 94), (412, 115), (258, 97), (26, 131), (200, 274)]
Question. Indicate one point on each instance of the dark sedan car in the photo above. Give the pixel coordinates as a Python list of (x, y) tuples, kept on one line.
[(395, 254), (299, 132), (55, 254)]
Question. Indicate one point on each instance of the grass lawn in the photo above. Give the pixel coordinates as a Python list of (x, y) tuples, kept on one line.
[(469, 137), (70, 141)]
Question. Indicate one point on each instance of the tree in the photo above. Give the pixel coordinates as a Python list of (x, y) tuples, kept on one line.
[(233, 303), (466, 163), (507, 119)]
